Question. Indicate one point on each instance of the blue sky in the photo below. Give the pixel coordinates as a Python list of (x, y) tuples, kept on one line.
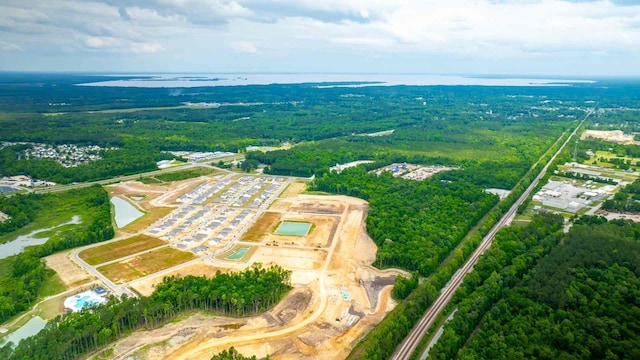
[(536, 37)]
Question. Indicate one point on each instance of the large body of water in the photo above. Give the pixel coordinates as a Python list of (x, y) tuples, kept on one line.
[(354, 80), (17, 245), (125, 212), (32, 327)]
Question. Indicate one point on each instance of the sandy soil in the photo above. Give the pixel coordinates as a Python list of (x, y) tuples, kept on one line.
[(70, 273), (317, 320), (614, 216), (291, 259), (294, 189), (320, 236), (617, 136)]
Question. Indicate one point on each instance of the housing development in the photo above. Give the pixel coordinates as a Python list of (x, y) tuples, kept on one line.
[(318, 220)]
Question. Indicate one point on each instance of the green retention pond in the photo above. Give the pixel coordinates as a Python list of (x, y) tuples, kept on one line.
[(293, 228), (238, 254)]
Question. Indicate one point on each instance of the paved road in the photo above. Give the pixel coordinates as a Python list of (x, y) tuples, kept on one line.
[(129, 177), (116, 179), (319, 311), (117, 290), (121, 289), (408, 346)]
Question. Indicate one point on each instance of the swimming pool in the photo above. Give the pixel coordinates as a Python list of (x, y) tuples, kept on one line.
[(293, 228), (78, 302)]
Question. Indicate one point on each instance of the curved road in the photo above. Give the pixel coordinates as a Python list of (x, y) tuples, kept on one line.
[(203, 348), (408, 346)]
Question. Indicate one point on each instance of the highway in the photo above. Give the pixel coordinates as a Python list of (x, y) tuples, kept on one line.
[(129, 177), (409, 344)]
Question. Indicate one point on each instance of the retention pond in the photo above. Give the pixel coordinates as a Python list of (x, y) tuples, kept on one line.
[(125, 212)]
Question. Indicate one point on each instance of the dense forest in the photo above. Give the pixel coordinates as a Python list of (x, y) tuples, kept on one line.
[(329, 124), (625, 200), (383, 339), (493, 135), (131, 159), (415, 224), (74, 335), (579, 301), (22, 275)]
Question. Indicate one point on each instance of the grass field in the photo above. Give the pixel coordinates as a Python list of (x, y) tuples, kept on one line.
[(295, 188), (145, 264), (52, 285), (263, 226), (149, 218), (149, 180), (185, 174), (115, 250)]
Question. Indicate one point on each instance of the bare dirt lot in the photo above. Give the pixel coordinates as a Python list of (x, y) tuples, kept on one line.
[(617, 136), (262, 227), (70, 273), (294, 189), (322, 318), (319, 236), (288, 258)]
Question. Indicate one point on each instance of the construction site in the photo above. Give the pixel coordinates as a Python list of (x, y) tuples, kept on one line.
[(209, 224)]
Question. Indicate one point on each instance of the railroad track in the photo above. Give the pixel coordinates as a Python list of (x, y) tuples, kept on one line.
[(410, 343)]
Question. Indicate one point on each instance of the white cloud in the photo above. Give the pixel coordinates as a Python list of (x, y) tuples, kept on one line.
[(95, 42), (342, 31), (244, 47), (5, 46), (145, 48)]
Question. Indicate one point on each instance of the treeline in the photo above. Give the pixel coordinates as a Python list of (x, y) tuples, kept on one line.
[(619, 150), (404, 286), (74, 335), (585, 177), (580, 301), (415, 224), (625, 200), (494, 159), (233, 354), (128, 160), (511, 255), (383, 339), (22, 275)]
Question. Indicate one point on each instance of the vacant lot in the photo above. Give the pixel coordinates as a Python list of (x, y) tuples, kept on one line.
[(149, 218), (185, 174), (294, 189), (145, 264), (117, 249), (70, 273), (263, 226), (292, 259)]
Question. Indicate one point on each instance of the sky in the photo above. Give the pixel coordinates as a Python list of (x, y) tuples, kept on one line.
[(526, 37)]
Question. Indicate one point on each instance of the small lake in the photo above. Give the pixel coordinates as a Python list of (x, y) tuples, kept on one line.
[(125, 212), (32, 327), (17, 245)]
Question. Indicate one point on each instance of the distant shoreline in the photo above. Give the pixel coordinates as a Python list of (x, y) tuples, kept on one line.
[(328, 80)]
